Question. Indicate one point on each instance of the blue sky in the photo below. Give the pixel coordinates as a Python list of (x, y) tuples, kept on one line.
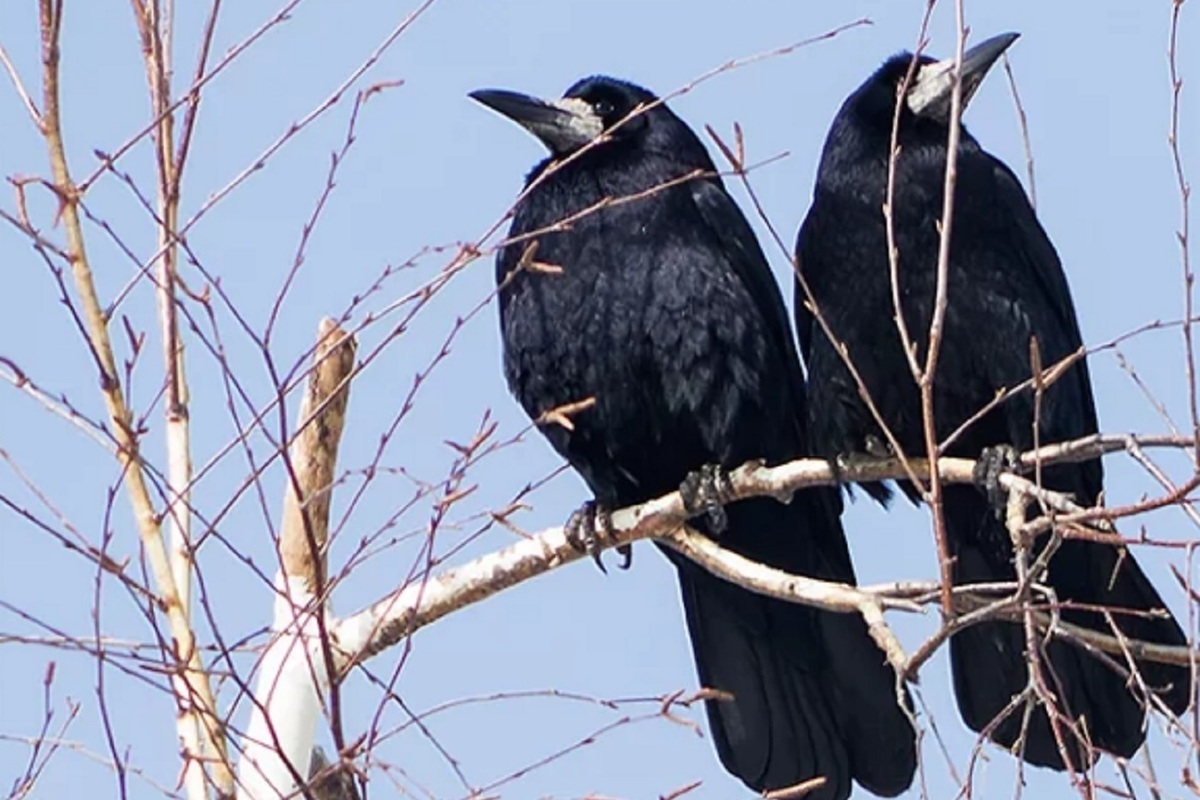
[(431, 168)]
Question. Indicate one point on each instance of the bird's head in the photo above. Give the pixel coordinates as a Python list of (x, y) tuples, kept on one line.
[(929, 93), (593, 107)]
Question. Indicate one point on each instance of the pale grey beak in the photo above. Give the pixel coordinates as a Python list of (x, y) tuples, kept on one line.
[(562, 125), (932, 87)]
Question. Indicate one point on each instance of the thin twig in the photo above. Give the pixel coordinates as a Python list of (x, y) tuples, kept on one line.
[(926, 380), (1185, 193)]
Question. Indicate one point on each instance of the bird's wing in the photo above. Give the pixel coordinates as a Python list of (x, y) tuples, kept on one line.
[(730, 228), (804, 316), (740, 245), (1037, 253)]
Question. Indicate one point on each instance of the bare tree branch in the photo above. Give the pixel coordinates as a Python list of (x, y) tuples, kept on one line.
[(295, 667), (199, 726), (402, 612)]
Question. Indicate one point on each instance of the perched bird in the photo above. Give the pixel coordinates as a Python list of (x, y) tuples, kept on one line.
[(663, 309), (1005, 288)]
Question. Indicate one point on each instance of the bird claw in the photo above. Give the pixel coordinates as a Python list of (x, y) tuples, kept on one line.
[(877, 448), (873, 448), (589, 530), (994, 462), (706, 491)]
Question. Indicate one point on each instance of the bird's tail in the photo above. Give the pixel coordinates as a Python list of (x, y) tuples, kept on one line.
[(809, 692), (989, 660)]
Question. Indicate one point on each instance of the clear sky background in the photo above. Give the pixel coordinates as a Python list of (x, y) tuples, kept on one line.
[(429, 167)]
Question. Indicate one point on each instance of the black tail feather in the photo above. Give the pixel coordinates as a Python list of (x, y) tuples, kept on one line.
[(878, 730), (812, 694), (989, 659)]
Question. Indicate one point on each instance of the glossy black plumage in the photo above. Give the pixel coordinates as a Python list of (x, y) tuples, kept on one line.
[(1006, 285), (666, 312)]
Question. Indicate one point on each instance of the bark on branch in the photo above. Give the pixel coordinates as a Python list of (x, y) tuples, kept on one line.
[(294, 673), (411, 607)]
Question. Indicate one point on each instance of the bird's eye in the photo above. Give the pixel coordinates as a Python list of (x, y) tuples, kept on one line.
[(603, 108)]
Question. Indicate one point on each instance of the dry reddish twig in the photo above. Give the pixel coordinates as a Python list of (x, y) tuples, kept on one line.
[(796, 791), (22, 92), (44, 745), (925, 380), (1023, 122), (1189, 278)]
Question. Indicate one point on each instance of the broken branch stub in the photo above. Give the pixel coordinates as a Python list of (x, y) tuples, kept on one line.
[(312, 456)]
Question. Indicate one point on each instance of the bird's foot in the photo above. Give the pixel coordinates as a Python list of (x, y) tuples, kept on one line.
[(873, 449), (994, 462), (706, 491), (877, 448), (589, 530), (852, 461)]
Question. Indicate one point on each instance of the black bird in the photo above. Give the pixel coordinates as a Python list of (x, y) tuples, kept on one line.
[(1005, 287), (666, 312)]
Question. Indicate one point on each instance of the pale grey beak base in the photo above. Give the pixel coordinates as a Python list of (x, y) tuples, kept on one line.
[(562, 125), (933, 85)]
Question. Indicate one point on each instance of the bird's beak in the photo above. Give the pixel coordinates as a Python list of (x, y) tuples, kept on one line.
[(562, 125), (933, 85)]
